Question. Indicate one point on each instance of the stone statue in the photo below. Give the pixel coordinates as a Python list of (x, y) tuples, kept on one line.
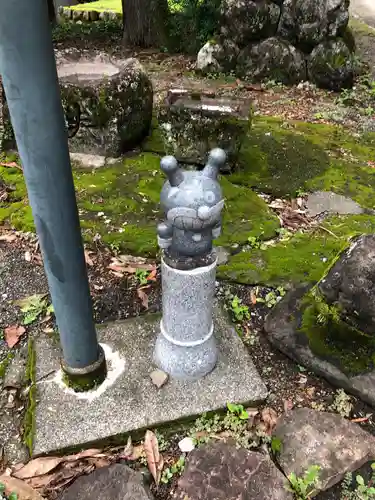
[(192, 202)]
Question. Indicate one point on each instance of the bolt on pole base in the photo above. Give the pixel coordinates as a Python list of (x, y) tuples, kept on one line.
[(84, 379)]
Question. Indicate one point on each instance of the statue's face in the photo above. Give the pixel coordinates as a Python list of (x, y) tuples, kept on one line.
[(195, 204)]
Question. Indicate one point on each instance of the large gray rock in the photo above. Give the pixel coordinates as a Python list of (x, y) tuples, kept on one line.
[(274, 59), (350, 284), (217, 57), (245, 21), (117, 482), (108, 105), (310, 437), (222, 472), (307, 332), (331, 65), (307, 23)]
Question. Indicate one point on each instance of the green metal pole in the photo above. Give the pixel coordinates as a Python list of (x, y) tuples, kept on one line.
[(28, 69)]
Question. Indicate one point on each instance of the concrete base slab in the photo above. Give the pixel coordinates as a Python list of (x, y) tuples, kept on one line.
[(128, 400)]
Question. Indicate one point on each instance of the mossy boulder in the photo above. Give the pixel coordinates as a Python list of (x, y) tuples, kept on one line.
[(329, 327), (331, 65), (192, 124), (217, 57), (306, 23), (273, 59), (350, 284), (108, 106), (246, 22)]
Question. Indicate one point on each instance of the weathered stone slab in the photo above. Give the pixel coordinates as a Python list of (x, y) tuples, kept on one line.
[(129, 400), (117, 482), (333, 443), (193, 124), (222, 472), (331, 203)]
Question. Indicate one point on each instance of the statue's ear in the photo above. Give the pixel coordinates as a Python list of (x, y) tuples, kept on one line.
[(170, 167), (216, 161)]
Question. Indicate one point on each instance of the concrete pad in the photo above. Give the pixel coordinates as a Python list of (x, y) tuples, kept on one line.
[(128, 400)]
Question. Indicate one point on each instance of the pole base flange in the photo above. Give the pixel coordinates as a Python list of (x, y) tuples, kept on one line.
[(84, 379)]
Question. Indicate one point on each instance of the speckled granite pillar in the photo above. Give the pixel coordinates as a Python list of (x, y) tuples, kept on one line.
[(186, 347)]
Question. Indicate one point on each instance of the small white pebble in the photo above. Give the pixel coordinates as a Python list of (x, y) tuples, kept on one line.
[(186, 445)]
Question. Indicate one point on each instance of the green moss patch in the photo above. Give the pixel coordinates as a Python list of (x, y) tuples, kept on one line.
[(120, 203), (302, 258), (332, 339), (29, 419), (5, 363), (283, 158)]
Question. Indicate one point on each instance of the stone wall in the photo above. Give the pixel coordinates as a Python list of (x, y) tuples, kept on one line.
[(76, 15), (283, 40)]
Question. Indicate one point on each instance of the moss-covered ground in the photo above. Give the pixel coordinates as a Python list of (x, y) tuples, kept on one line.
[(120, 202)]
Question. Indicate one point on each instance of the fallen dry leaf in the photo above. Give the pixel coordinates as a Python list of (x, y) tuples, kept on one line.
[(20, 488), (128, 450), (359, 420), (310, 391), (13, 334), (117, 274), (288, 405), (152, 275), (88, 259), (155, 460), (92, 452), (253, 298), (138, 451), (269, 418), (38, 467), (11, 164), (8, 237), (143, 296), (252, 413)]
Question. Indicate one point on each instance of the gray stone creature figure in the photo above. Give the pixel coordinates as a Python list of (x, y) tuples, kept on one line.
[(192, 202)]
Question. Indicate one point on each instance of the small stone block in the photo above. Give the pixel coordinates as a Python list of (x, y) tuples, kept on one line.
[(65, 419)]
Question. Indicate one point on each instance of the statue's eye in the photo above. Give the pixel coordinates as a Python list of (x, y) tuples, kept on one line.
[(209, 196)]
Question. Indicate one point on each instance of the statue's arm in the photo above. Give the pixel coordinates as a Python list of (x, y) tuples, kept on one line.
[(165, 233), (216, 230)]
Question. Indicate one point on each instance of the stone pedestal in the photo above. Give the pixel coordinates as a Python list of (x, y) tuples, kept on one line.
[(186, 347), (192, 124)]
